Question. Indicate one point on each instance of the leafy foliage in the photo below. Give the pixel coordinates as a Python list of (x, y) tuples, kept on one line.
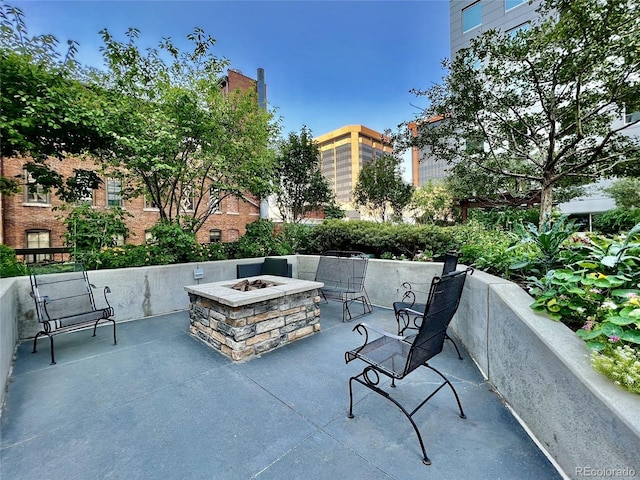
[(432, 203), (378, 239), (621, 364), (301, 186), (9, 265), (182, 141), (549, 240), (259, 240), (381, 189), (45, 110), (616, 220), (536, 110), (603, 288), (90, 230), (295, 236), (504, 218), (625, 192)]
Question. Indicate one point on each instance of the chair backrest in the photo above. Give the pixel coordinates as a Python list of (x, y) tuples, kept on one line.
[(345, 253), (348, 272), (450, 263), (58, 295), (442, 303), (275, 266)]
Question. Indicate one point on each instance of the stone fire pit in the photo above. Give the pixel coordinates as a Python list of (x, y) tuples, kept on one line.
[(242, 322)]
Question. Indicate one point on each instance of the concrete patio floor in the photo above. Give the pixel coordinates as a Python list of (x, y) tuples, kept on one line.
[(163, 405)]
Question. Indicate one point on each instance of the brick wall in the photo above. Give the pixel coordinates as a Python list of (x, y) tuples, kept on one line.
[(17, 216)]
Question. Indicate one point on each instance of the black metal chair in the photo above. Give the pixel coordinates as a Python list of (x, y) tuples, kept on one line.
[(409, 313), (396, 356)]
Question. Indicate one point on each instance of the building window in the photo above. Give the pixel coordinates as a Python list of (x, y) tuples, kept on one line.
[(512, 32), (34, 192), (148, 237), (215, 235), (86, 199), (472, 17), (509, 4), (114, 192), (233, 205), (188, 201), (631, 114), (149, 204), (214, 199), (118, 239), (38, 239)]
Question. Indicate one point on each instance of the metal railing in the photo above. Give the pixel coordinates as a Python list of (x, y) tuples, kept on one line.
[(43, 255)]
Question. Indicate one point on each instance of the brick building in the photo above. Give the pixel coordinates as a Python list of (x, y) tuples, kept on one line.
[(33, 219)]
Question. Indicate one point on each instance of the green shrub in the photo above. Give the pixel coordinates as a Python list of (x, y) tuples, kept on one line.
[(621, 364), (487, 250), (504, 218), (380, 238), (178, 245), (9, 265), (616, 221), (295, 236), (88, 229), (258, 241)]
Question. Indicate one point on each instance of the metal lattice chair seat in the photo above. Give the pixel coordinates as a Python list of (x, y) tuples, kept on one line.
[(386, 353), (396, 356)]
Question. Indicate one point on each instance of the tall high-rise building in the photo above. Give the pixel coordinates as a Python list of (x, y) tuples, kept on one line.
[(343, 153), (468, 19)]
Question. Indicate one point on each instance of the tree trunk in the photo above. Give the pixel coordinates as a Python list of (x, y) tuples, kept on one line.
[(546, 203)]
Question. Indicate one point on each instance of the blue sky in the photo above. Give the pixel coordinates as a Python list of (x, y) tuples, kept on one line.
[(327, 63)]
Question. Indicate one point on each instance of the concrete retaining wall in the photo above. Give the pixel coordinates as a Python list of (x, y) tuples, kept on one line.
[(539, 366), (8, 330)]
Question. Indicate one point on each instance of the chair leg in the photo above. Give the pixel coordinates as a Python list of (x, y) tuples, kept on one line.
[(372, 384), (35, 341), (346, 311), (446, 382), (53, 361), (447, 337), (115, 341)]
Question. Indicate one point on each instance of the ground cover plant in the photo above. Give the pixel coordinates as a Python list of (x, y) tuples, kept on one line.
[(598, 295)]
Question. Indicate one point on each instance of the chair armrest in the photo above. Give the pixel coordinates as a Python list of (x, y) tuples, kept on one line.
[(355, 284), (384, 333), (363, 329), (105, 291), (411, 292)]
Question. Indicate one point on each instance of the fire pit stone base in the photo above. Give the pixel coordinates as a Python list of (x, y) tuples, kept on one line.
[(243, 331)]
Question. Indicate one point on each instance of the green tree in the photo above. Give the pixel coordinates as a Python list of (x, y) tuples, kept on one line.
[(90, 230), (180, 140), (301, 186), (540, 109), (45, 111), (625, 192), (381, 189), (432, 203)]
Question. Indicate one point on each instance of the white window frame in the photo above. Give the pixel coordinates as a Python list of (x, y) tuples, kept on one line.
[(115, 193), (218, 234), (214, 197), (39, 257), (35, 196)]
